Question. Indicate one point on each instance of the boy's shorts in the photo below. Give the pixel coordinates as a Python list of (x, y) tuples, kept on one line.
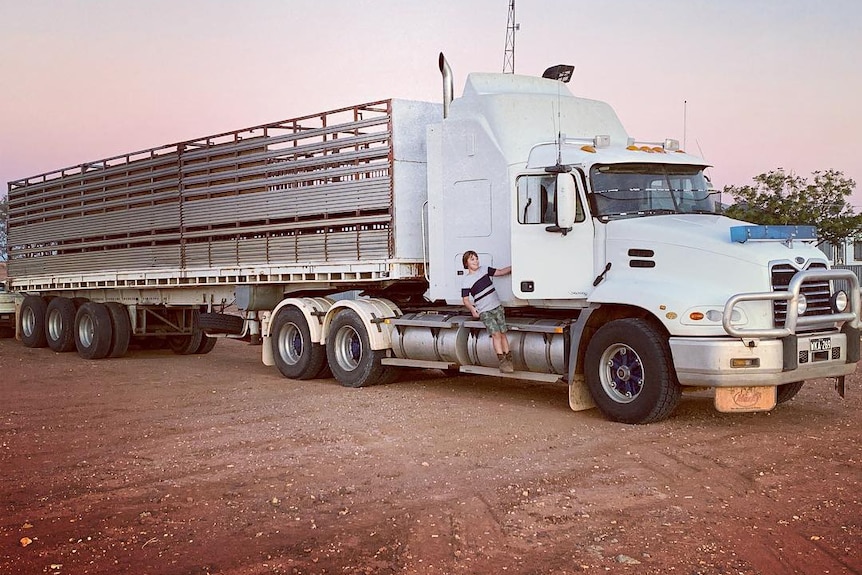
[(494, 320)]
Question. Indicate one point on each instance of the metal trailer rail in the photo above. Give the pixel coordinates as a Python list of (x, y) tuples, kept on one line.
[(308, 199)]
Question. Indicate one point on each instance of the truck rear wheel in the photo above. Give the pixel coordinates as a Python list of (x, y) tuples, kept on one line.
[(32, 319), (121, 329), (629, 371), (93, 330), (296, 356), (60, 324), (351, 359)]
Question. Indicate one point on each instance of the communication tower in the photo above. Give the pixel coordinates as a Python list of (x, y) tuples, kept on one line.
[(509, 53)]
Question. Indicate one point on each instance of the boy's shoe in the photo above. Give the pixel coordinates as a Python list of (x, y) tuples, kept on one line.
[(506, 366)]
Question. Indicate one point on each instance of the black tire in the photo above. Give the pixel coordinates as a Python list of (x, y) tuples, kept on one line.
[(121, 327), (207, 344), (787, 391), (351, 359), (186, 344), (629, 371), (296, 356), (221, 323), (32, 321), (60, 324), (93, 330)]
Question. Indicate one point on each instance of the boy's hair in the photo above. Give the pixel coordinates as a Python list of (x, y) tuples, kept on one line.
[(467, 255)]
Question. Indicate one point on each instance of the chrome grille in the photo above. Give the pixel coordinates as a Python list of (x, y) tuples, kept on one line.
[(817, 293)]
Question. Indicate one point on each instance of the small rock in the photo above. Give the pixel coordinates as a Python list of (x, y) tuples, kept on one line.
[(25, 541), (626, 560)]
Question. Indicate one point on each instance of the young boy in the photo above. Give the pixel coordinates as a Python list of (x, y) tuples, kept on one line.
[(480, 297)]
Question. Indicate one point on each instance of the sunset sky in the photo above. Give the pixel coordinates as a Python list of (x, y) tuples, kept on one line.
[(768, 83)]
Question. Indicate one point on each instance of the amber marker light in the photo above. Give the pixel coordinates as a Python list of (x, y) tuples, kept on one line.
[(695, 316), (745, 362)]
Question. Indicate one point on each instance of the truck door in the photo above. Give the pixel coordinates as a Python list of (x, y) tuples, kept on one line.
[(549, 262)]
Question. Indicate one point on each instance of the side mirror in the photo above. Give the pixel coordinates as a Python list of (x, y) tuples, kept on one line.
[(566, 194)]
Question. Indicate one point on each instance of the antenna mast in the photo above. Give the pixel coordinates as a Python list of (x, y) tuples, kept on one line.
[(509, 53)]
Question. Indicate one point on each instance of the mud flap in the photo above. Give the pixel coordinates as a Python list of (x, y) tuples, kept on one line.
[(839, 385), (579, 394), (744, 399)]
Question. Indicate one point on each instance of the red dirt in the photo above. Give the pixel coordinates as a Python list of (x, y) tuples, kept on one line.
[(165, 464)]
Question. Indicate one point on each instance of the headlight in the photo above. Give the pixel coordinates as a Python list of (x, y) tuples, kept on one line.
[(840, 301), (801, 304), (717, 316)]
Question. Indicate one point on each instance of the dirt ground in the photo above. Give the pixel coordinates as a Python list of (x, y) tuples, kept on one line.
[(164, 464)]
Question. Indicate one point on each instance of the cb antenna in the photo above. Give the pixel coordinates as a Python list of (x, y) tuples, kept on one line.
[(509, 53), (562, 73)]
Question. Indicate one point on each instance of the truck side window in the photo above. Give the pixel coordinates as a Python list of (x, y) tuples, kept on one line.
[(537, 200)]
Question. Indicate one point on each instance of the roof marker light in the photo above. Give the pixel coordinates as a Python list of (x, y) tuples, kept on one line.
[(671, 145)]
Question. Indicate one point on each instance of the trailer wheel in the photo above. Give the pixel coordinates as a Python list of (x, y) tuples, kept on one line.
[(629, 371), (351, 359), (186, 344), (60, 324), (207, 344), (787, 391), (93, 331), (121, 329), (32, 314), (296, 356)]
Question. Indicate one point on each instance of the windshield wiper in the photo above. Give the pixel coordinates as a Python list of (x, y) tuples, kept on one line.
[(658, 211)]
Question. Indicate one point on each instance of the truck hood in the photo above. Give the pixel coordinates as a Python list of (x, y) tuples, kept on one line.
[(704, 235), (671, 265)]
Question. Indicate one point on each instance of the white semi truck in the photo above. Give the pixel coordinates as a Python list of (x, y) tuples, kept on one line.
[(339, 237)]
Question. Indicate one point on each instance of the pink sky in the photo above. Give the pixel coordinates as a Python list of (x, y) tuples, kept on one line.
[(769, 83)]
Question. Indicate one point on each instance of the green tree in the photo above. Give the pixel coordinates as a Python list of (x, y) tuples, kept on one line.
[(781, 198)]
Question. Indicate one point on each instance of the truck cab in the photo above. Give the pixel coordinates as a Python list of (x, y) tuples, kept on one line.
[(622, 239)]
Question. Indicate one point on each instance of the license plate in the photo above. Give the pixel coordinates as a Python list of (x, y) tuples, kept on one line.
[(821, 344)]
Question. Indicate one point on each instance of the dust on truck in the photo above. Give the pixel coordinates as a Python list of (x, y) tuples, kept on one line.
[(339, 237)]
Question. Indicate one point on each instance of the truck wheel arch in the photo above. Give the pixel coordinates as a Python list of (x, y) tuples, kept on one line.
[(372, 311), (311, 308), (604, 314)]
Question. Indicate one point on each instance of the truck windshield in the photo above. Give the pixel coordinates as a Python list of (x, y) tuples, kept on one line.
[(627, 190)]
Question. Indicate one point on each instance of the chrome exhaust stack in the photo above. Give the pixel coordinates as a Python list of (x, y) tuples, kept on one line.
[(448, 84)]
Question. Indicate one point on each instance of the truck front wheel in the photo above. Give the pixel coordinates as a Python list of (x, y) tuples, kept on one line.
[(32, 318), (351, 359), (629, 371), (296, 356)]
